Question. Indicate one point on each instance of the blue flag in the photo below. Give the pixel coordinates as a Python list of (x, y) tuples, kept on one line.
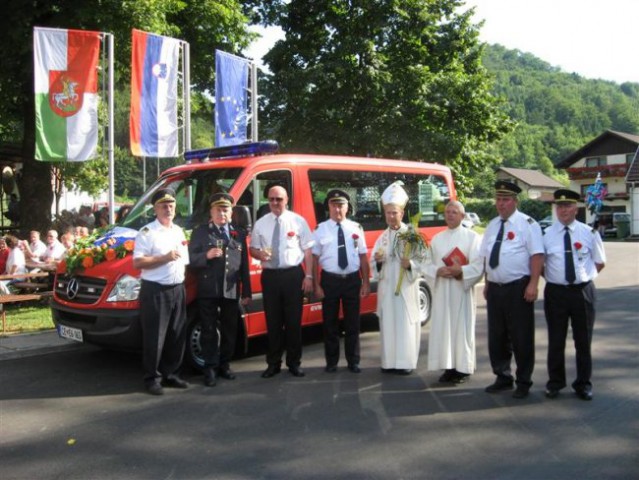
[(231, 86)]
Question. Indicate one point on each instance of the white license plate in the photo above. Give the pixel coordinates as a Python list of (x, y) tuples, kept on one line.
[(70, 333)]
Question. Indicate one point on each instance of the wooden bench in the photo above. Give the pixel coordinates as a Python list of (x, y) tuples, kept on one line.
[(14, 298), (23, 297)]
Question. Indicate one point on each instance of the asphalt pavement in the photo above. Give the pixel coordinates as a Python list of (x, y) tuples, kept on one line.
[(73, 411)]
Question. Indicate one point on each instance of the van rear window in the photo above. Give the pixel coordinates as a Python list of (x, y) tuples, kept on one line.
[(427, 193)]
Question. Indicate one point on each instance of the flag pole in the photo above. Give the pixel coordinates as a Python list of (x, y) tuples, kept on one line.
[(186, 92), (110, 137), (254, 129)]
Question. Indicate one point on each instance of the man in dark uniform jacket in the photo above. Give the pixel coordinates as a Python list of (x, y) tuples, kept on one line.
[(574, 256), (219, 256)]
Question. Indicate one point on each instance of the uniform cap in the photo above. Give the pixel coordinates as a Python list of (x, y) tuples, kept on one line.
[(395, 194), (163, 195), (506, 189), (337, 196), (221, 200), (563, 195)]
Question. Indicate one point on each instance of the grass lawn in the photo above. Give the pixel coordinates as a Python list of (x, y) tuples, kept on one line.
[(27, 317)]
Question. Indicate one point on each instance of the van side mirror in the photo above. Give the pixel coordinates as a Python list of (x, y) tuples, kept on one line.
[(241, 217)]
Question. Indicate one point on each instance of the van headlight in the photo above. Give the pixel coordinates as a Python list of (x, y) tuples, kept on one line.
[(126, 289)]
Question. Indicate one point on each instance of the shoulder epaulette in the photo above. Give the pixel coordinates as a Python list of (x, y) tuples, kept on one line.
[(145, 230), (593, 230), (531, 220)]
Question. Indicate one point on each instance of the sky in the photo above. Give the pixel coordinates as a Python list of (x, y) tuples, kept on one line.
[(593, 38)]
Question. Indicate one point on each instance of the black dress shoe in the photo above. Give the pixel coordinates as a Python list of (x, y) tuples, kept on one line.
[(210, 378), (459, 378), (499, 386), (226, 373), (330, 369), (447, 376), (552, 393), (353, 367), (175, 382), (403, 371), (388, 370), (584, 394), (296, 371), (271, 371), (521, 391), (154, 389)]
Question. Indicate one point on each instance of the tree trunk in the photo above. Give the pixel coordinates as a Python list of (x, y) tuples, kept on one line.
[(36, 191)]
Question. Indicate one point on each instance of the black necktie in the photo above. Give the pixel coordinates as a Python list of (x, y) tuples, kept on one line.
[(223, 234), (569, 260), (342, 261), (494, 253)]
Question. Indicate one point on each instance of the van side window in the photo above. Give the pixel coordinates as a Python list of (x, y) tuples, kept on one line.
[(263, 182), (427, 193)]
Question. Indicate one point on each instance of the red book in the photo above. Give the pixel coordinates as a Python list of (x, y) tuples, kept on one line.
[(455, 257)]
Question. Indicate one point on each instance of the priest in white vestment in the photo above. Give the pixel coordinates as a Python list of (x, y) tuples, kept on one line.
[(452, 270), (399, 322)]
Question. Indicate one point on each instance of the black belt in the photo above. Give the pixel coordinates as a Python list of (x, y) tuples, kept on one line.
[(508, 284), (576, 286), (161, 286), (342, 276), (281, 270)]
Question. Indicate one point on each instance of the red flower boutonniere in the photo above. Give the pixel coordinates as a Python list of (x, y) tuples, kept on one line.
[(290, 234), (578, 246), (510, 235), (355, 239), (185, 242), (234, 234)]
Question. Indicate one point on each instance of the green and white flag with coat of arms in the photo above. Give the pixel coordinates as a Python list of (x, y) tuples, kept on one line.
[(66, 94)]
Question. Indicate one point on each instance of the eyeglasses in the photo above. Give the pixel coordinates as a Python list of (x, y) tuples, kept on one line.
[(275, 199)]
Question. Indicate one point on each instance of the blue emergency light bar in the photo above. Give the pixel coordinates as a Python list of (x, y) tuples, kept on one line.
[(242, 150)]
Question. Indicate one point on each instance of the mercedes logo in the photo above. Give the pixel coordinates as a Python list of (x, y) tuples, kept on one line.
[(72, 288)]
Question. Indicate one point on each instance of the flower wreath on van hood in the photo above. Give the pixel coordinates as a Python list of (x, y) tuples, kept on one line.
[(104, 244)]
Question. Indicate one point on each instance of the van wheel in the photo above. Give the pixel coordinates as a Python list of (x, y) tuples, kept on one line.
[(193, 352), (424, 303)]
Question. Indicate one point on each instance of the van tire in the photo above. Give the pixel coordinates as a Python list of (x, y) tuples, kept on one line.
[(193, 354), (425, 302)]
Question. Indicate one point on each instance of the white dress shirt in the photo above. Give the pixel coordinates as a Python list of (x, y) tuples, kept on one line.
[(295, 237), (155, 239), (326, 248)]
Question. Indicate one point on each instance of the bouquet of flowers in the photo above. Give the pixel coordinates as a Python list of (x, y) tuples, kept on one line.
[(410, 244), (104, 244)]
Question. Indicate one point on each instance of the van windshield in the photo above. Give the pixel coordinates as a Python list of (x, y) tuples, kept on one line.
[(192, 188)]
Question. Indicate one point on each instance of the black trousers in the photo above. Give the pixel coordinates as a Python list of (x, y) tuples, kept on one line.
[(283, 301), (219, 320), (574, 305), (163, 317), (511, 329), (345, 291)]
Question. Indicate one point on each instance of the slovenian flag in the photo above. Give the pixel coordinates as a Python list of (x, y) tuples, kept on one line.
[(66, 93), (154, 76)]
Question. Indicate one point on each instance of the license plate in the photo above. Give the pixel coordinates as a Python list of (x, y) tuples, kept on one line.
[(70, 333)]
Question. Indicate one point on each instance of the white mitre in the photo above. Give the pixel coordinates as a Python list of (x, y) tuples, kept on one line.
[(395, 194)]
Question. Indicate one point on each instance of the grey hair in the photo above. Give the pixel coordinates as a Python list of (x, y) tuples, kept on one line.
[(458, 204)]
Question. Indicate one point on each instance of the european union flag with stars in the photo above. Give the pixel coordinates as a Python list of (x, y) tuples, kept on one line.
[(231, 87)]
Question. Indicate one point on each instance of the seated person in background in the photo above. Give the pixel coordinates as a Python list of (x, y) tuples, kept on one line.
[(35, 249), (4, 254), (85, 217), (102, 218), (122, 213), (55, 250), (16, 263), (68, 240)]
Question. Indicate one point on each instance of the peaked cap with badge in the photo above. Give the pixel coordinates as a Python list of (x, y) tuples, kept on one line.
[(563, 195), (221, 200), (506, 189), (337, 196), (163, 195)]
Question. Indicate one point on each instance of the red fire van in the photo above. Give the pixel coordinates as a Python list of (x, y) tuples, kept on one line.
[(99, 304)]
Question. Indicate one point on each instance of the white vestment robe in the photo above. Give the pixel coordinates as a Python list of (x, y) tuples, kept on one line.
[(451, 343), (399, 326)]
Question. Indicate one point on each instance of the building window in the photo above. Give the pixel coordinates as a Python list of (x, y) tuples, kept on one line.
[(595, 161)]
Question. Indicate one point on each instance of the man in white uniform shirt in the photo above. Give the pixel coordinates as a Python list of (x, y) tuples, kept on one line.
[(340, 249), (282, 241), (574, 256), (55, 251), (514, 252), (161, 253)]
